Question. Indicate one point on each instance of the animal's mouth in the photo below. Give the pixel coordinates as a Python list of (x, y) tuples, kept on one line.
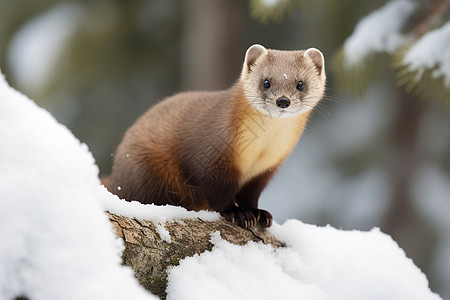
[(282, 107), (284, 112)]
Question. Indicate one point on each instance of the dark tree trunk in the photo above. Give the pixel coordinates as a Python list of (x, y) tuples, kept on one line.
[(212, 54), (403, 221)]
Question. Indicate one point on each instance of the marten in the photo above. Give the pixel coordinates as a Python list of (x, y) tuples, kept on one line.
[(218, 150)]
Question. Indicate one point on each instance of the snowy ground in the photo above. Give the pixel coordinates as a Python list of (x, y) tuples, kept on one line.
[(56, 242)]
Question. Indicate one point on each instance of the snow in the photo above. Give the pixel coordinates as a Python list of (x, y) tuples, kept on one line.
[(318, 263), (57, 242), (164, 234), (254, 271), (271, 3), (35, 49), (379, 32), (431, 51), (159, 214)]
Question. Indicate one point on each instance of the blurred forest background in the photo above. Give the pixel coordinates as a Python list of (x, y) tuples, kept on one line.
[(375, 154)]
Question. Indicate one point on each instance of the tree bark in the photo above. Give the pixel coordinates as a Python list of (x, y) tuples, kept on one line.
[(150, 256)]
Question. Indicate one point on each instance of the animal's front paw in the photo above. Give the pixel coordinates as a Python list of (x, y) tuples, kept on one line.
[(247, 218), (263, 216), (242, 217)]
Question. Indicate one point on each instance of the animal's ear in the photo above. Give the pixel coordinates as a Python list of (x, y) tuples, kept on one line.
[(252, 55), (317, 58)]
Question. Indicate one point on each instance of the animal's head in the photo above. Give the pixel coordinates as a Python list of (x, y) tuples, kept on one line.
[(283, 83)]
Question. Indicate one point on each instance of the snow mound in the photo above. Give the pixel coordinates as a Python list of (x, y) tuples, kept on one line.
[(56, 241), (318, 263)]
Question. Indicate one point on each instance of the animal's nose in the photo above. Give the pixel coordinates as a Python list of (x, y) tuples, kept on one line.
[(283, 102)]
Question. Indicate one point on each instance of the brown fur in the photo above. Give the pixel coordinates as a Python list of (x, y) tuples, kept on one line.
[(218, 150)]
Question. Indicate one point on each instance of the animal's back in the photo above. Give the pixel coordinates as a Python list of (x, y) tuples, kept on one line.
[(149, 163)]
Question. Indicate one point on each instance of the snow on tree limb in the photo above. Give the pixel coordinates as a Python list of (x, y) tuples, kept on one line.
[(379, 32), (432, 51)]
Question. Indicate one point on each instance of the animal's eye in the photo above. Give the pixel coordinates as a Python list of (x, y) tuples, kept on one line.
[(300, 86), (266, 83)]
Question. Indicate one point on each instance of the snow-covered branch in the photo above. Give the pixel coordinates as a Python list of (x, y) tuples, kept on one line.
[(431, 52), (393, 28), (379, 32)]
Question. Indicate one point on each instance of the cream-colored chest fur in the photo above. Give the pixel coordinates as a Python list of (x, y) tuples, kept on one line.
[(264, 142)]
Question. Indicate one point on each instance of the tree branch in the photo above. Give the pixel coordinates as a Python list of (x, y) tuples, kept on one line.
[(150, 256)]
